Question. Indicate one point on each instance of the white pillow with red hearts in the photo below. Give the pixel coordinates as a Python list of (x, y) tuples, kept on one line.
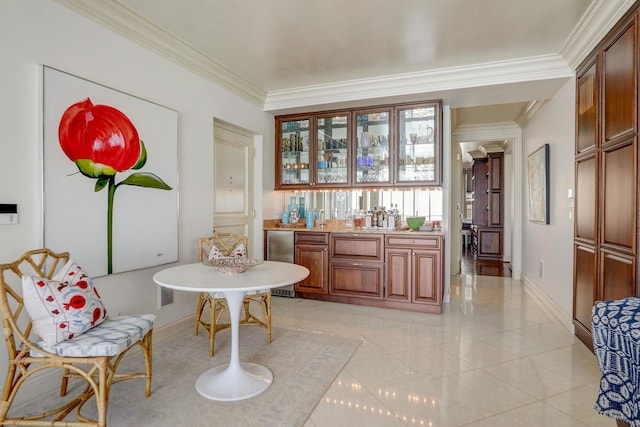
[(238, 252), (63, 307)]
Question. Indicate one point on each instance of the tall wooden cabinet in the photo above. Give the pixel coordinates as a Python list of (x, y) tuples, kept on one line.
[(606, 174), (487, 223)]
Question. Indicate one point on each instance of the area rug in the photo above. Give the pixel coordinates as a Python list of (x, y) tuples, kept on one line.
[(304, 365)]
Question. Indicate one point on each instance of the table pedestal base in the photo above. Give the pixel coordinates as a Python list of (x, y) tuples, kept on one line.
[(229, 382)]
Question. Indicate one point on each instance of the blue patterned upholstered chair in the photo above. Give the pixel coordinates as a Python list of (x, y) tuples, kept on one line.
[(225, 245), (91, 356), (616, 344)]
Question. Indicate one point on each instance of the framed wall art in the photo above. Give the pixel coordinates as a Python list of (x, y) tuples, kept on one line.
[(538, 178), (110, 176)]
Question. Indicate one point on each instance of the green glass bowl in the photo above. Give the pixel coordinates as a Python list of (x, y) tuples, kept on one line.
[(414, 222)]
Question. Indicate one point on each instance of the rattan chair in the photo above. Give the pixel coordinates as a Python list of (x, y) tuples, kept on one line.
[(226, 244), (107, 343)]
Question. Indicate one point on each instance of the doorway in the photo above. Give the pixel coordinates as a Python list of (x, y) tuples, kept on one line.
[(233, 206), (511, 136)]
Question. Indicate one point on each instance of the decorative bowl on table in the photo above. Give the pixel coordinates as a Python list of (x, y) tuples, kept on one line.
[(414, 222), (234, 265)]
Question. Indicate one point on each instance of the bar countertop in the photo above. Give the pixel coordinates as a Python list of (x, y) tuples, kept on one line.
[(338, 226)]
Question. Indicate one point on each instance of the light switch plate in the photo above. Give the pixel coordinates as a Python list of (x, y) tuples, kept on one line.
[(9, 218)]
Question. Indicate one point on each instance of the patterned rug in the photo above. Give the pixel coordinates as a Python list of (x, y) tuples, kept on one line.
[(303, 364)]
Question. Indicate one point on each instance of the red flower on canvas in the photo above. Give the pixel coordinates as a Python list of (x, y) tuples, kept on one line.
[(99, 138), (102, 141)]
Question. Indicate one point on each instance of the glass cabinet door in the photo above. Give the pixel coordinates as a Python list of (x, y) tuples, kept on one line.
[(372, 148), (332, 148), (294, 161), (418, 155)]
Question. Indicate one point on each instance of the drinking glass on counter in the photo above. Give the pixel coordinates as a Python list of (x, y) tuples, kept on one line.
[(310, 219), (349, 219)]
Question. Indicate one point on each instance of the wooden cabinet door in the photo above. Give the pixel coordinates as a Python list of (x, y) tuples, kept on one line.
[(494, 190), (586, 205), (398, 274), (586, 97), (617, 273), (619, 80), (489, 243), (495, 171), (316, 259), (427, 270), (584, 285), (618, 197), (359, 279), (295, 164), (480, 193)]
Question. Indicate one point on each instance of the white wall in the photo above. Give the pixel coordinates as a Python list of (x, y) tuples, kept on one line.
[(35, 32), (554, 124)]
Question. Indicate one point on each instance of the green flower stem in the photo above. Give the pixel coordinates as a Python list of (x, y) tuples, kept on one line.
[(112, 193)]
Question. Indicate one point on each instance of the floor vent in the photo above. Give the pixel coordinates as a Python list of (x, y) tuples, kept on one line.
[(289, 293)]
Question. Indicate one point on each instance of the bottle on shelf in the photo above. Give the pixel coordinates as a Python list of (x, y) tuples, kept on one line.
[(301, 207)]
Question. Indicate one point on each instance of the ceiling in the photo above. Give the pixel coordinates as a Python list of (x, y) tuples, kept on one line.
[(489, 60)]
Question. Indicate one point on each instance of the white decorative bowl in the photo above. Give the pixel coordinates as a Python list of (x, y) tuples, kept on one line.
[(234, 265)]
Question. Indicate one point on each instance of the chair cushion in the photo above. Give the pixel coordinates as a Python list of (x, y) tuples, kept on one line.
[(64, 306), (110, 338), (238, 251)]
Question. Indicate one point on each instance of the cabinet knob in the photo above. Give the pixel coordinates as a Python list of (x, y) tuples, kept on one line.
[(411, 241)]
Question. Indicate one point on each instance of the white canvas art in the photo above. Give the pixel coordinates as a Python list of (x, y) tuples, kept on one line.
[(110, 176)]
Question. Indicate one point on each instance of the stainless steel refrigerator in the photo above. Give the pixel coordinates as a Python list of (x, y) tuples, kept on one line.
[(280, 247)]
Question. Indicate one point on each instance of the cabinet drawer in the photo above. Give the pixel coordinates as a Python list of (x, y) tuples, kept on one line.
[(357, 247), (359, 279), (432, 242), (312, 237)]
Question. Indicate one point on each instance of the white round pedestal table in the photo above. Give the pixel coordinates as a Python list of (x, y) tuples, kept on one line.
[(236, 380)]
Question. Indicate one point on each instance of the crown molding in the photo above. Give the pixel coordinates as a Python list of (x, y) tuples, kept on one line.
[(487, 132), (598, 19), (126, 22), (595, 23), (528, 111), (477, 75)]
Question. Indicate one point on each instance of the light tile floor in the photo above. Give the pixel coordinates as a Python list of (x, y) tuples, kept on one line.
[(492, 358)]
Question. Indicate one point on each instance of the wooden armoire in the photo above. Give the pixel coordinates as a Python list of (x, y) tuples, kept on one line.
[(606, 173), (487, 227)]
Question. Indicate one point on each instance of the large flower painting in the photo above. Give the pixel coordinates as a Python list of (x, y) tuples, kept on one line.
[(96, 141)]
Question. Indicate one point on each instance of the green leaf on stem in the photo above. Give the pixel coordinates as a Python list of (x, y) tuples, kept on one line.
[(142, 159), (101, 183), (145, 179)]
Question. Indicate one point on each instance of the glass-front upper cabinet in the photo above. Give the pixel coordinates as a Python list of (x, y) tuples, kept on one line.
[(372, 149), (332, 148), (382, 146), (418, 145), (293, 162)]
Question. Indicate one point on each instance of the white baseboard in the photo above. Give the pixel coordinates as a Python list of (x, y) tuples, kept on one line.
[(49, 380), (546, 304)]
